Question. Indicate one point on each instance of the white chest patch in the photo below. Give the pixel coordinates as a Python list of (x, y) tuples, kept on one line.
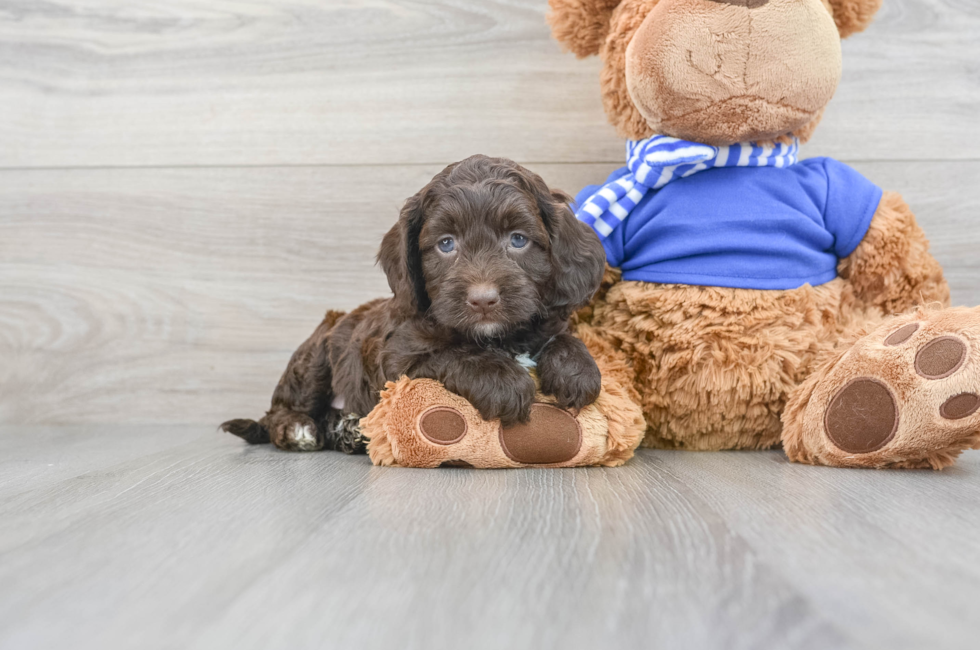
[(526, 361)]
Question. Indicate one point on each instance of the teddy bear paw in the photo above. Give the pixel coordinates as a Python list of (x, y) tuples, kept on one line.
[(906, 395), (551, 437), (420, 424)]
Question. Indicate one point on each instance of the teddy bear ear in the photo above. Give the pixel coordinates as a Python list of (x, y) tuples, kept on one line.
[(581, 25), (853, 16)]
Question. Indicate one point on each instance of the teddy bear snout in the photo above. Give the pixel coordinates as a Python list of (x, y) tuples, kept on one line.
[(703, 70)]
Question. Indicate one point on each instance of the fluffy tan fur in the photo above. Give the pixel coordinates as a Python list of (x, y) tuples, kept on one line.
[(923, 438), (622, 113), (892, 269), (581, 25), (853, 16)]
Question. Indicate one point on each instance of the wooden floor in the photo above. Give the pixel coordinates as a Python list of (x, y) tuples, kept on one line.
[(187, 185), (180, 537)]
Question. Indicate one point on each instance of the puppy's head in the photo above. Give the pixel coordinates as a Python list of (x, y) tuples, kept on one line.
[(486, 247)]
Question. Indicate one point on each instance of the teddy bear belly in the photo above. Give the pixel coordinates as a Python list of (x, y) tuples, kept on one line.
[(715, 366)]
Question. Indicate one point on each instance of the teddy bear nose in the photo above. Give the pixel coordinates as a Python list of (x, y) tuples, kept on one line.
[(727, 71), (751, 4), (483, 297)]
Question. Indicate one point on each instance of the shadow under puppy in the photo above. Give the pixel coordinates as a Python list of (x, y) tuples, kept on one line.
[(486, 265)]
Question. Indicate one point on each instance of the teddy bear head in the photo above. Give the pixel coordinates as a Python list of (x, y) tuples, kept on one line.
[(713, 71)]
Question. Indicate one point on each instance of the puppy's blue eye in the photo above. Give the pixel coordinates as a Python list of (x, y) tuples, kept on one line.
[(517, 240), (447, 245)]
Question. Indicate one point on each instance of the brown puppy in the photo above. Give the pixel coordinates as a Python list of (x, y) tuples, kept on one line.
[(486, 264)]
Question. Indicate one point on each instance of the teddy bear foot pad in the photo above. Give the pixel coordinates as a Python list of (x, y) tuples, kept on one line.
[(550, 437), (906, 395)]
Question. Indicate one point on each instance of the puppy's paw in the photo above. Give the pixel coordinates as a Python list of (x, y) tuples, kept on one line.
[(574, 388), (569, 373), (297, 433), (515, 405), (503, 391)]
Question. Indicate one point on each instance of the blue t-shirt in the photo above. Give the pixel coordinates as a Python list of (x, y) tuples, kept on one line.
[(745, 227)]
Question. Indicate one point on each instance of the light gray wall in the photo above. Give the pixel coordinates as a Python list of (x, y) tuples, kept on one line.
[(186, 186)]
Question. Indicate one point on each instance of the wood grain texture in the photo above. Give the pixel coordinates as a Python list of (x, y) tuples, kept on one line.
[(33, 457), (157, 296), (248, 82), (213, 544), (853, 541)]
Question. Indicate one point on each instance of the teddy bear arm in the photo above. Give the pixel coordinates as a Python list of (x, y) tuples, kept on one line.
[(892, 268)]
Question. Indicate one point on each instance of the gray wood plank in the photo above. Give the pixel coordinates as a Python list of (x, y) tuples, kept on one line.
[(36, 456), (217, 545), (539, 559), (162, 296), (855, 541), (189, 82), (144, 552)]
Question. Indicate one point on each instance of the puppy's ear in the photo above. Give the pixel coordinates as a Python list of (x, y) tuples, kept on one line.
[(401, 259), (581, 25), (853, 16), (578, 259), (577, 255)]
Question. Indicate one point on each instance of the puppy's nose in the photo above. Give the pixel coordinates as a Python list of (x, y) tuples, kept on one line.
[(483, 297)]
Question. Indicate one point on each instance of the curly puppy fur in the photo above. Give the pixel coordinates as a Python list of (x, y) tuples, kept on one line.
[(485, 264)]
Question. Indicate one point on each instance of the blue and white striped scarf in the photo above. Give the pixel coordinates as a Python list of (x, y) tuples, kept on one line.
[(658, 160)]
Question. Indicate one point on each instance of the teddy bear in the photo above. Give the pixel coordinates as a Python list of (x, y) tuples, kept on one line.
[(753, 300)]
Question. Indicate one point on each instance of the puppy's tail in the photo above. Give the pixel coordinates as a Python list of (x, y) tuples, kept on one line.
[(248, 430)]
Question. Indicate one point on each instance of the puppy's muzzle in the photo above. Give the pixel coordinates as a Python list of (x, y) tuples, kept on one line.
[(483, 298)]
